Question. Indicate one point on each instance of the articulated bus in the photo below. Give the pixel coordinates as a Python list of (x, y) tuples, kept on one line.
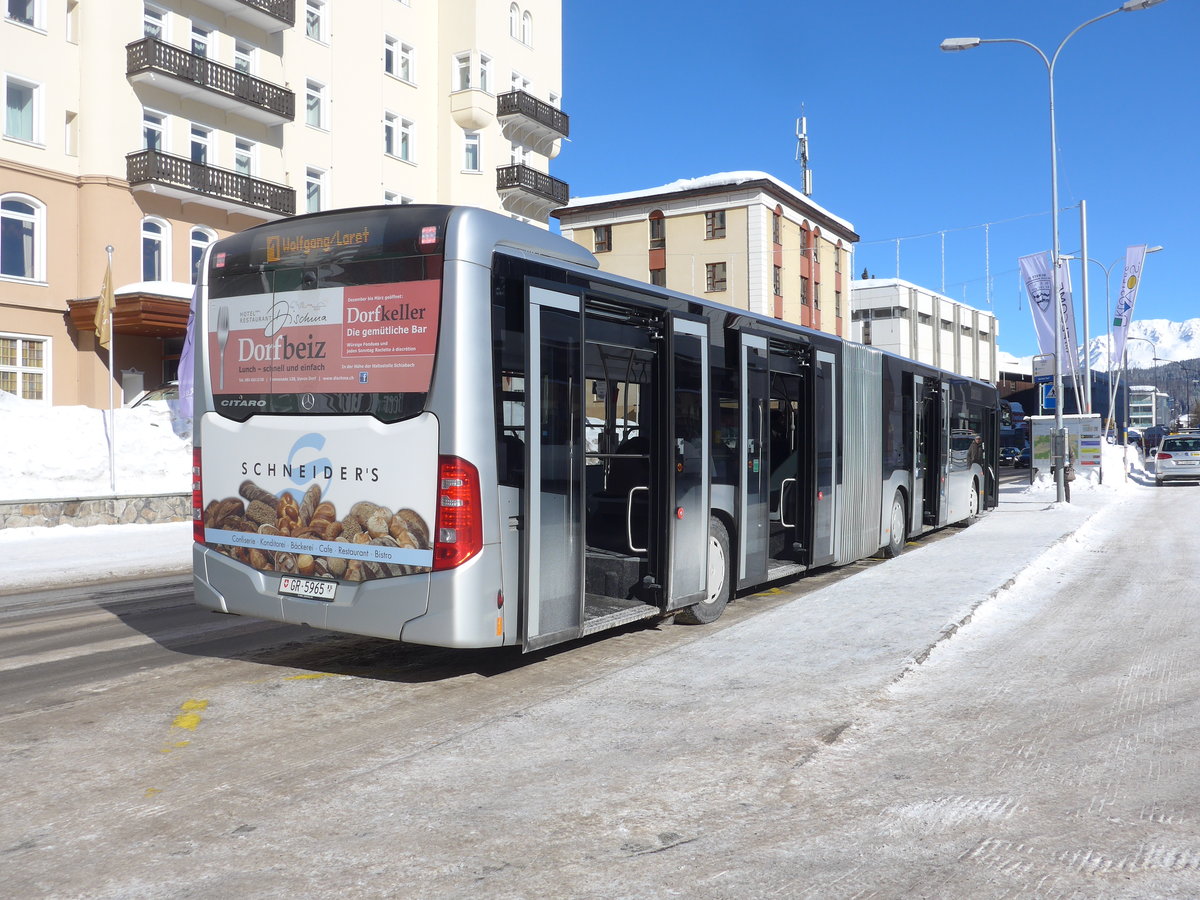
[(442, 426)]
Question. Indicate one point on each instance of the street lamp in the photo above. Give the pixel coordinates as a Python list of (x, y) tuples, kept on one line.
[(1153, 365), (966, 43)]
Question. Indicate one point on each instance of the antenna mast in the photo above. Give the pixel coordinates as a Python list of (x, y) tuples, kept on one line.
[(802, 153)]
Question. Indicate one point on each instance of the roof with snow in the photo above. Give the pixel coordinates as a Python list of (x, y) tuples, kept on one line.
[(703, 183)]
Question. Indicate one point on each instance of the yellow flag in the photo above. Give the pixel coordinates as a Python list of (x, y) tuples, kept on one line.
[(104, 309)]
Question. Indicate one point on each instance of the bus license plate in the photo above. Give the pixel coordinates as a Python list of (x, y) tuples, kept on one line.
[(313, 588)]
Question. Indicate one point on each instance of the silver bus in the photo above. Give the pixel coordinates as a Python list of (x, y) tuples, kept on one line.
[(442, 426)]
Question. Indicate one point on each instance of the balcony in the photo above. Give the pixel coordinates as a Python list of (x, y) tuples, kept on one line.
[(184, 74), (530, 193), (174, 176), (269, 15), (532, 122)]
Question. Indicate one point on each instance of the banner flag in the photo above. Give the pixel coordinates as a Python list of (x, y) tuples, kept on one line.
[(1070, 352), (1135, 258), (1035, 271), (104, 309), (182, 408)]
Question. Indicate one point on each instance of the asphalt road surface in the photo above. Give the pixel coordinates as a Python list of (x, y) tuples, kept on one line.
[(818, 741)]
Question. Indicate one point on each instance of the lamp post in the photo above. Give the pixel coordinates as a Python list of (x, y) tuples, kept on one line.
[(1125, 370), (955, 44)]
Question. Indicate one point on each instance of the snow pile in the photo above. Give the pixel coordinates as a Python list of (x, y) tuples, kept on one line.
[(56, 452), (1123, 470)]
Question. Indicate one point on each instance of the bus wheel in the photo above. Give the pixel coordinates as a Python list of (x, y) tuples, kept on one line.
[(719, 588), (897, 528), (972, 505)]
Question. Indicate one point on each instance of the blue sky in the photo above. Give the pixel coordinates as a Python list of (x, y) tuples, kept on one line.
[(906, 140)]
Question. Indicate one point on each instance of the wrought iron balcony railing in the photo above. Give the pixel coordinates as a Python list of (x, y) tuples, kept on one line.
[(153, 56), (519, 103), (523, 178), (155, 167)]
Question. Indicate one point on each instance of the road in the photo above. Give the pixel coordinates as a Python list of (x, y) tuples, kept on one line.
[(1050, 747)]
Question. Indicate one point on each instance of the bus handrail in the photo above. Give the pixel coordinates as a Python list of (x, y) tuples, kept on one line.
[(783, 493), (629, 518)]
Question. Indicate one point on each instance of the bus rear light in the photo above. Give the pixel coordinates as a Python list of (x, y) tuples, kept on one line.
[(197, 499), (458, 532)]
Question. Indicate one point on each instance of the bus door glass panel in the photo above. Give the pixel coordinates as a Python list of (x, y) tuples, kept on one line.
[(620, 478), (553, 549), (826, 423), (914, 428), (689, 464), (930, 453), (755, 506), (784, 451)]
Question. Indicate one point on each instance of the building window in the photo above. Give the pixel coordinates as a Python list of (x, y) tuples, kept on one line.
[(407, 148), (154, 23), (201, 37), (514, 21), (462, 72), (407, 64), (243, 156), (22, 112), (527, 28), (924, 319), (315, 25), (837, 259), (153, 130), (471, 151), (658, 277), (201, 238), (866, 332), (602, 239), (804, 291), (314, 104), (155, 234), (778, 281), (24, 365), (777, 227), (714, 225), (714, 277), (805, 238), (201, 143), (26, 12), (390, 122), (22, 237), (391, 54), (243, 57), (837, 304), (658, 231), (314, 190), (485, 73)]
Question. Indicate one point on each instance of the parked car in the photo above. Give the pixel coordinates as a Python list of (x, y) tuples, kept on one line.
[(1178, 459), (169, 391), (1009, 455), (1024, 458)]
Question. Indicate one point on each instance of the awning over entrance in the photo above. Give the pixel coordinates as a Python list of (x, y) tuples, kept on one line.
[(148, 309)]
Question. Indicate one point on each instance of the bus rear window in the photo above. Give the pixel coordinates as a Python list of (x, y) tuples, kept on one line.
[(330, 314)]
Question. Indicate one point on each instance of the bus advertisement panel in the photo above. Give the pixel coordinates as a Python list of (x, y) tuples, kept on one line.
[(335, 498), (362, 338)]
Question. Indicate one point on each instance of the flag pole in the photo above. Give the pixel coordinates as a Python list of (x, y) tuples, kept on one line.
[(111, 302)]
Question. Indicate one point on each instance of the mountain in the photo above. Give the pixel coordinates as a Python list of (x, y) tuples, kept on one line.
[(1148, 338)]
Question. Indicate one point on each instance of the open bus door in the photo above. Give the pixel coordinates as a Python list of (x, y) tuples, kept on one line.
[(931, 451), (617, 471), (788, 422)]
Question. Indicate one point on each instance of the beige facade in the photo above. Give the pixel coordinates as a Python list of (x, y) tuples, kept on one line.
[(745, 239), (157, 127), (917, 323)]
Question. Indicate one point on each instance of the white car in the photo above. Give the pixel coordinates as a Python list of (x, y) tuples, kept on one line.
[(1178, 458)]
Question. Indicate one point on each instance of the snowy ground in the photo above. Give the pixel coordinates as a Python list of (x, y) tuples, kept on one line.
[(66, 455)]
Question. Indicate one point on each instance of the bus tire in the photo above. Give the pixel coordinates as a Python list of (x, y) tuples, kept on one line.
[(897, 527), (973, 505), (719, 586)]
